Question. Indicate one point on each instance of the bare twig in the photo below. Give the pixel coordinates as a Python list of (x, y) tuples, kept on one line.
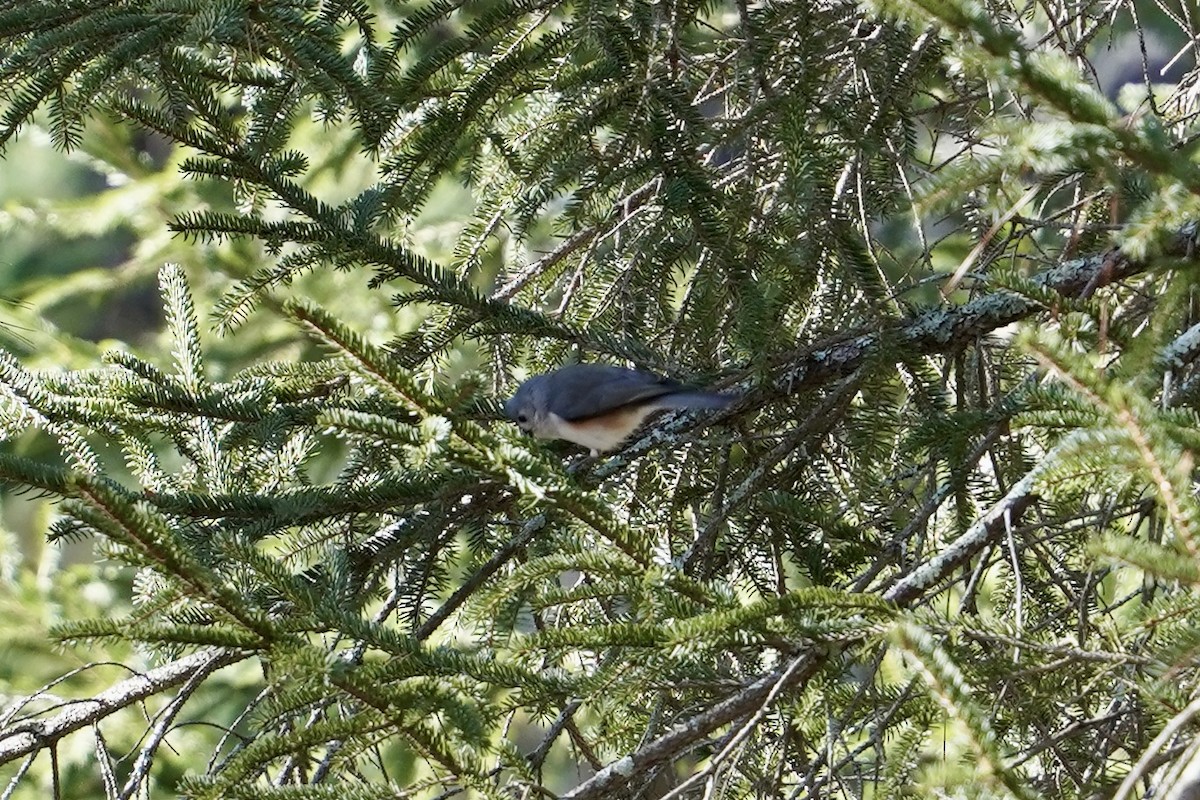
[(743, 731), (29, 736), (609, 781), (1144, 764), (987, 529), (162, 726)]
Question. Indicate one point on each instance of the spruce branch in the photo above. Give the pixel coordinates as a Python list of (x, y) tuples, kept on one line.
[(955, 696), (1149, 758), (923, 333), (162, 726)]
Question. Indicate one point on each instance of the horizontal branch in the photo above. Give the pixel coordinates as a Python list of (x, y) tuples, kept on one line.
[(1080, 277), (940, 330)]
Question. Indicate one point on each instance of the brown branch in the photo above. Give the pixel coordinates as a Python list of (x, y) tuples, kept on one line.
[(498, 559), (1082, 276)]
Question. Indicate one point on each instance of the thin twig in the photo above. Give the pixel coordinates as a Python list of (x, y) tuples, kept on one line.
[(32, 735)]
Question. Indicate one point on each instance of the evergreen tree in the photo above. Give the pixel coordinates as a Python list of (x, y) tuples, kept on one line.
[(947, 540)]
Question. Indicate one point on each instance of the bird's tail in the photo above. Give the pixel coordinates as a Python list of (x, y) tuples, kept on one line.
[(694, 399)]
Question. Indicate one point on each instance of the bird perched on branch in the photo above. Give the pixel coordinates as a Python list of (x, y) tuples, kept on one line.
[(599, 405)]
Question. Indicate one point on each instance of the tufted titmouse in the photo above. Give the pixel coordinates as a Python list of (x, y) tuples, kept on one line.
[(599, 405)]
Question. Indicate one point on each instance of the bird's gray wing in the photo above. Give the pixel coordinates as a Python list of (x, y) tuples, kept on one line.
[(588, 390)]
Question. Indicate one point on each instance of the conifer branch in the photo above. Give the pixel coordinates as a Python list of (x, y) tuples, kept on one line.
[(945, 329), (472, 584)]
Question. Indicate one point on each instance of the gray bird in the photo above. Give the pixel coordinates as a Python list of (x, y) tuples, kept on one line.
[(599, 405)]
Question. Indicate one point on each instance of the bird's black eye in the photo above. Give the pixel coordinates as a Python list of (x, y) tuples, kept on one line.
[(522, 418)]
